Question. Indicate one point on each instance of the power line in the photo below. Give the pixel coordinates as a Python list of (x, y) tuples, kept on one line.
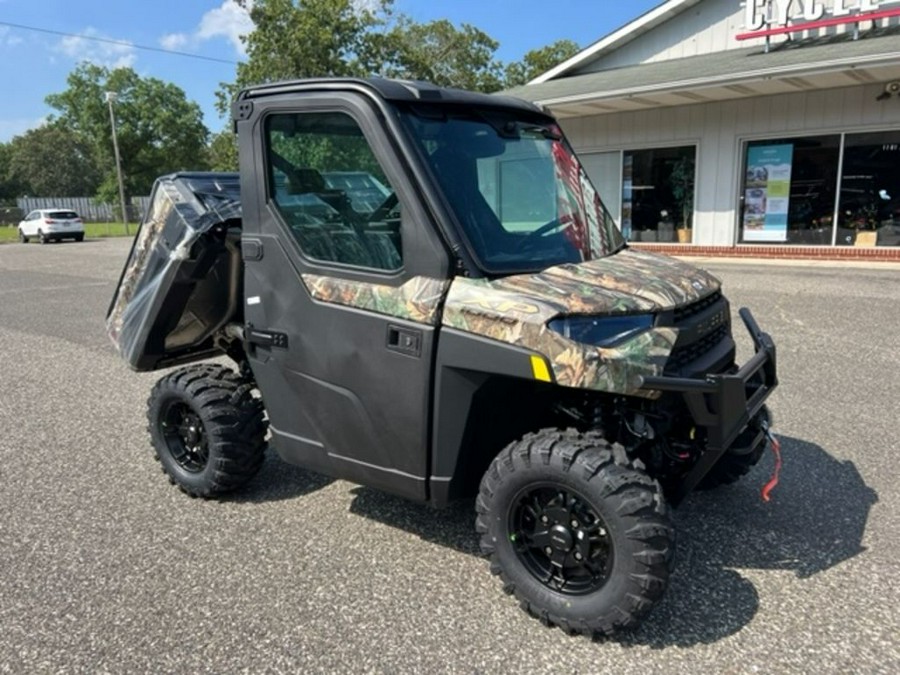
[(117, 42)]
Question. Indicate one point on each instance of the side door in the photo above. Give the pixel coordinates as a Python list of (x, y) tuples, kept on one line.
[(29, 225), (344, 282)]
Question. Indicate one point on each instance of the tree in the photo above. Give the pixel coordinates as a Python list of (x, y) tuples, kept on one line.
[(159, 130), (538, 61), (10, 187), (348, 38), (443, 54), (309, 38), (223, 151), (53, 161)]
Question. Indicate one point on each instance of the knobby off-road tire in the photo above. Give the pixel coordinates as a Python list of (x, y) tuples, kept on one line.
[(207, 429), (576, 531), (731, 467)]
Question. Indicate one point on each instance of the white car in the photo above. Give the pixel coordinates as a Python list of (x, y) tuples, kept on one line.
[(51, 225)]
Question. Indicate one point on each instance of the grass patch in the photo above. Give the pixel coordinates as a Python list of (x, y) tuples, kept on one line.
[(109, 230), (10, 233)]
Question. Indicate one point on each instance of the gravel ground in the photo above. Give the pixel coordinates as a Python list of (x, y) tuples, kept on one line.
[(105, 567)]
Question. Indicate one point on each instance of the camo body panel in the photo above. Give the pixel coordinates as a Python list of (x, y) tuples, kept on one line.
[(136, 268), (418, 300), (516, 310)]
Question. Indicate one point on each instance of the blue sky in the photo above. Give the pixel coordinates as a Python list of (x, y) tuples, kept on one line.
[(34, 64)]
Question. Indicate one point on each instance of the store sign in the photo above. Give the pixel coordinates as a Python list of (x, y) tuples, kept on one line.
[(763, 18), (767, 192)]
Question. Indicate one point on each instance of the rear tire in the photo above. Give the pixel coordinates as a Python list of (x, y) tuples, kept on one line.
[(207, 429), (22, 237), (578, 533), (43, 238), (79, 237)]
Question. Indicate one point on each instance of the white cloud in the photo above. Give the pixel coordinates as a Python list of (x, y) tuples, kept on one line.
[(229, 21), (102, 53), (8, 38), (174, 41)]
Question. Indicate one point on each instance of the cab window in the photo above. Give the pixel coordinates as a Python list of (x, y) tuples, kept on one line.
[(331, 192)]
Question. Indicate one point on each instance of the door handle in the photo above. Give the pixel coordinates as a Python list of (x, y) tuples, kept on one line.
[(266, 338), (404, 340)]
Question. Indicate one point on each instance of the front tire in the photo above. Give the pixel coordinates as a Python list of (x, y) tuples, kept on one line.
[(578, 533), (207, 429), (22, 237)]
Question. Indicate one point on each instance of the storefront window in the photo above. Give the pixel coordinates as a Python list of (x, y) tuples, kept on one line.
[(869, 211), (789, 190), (658, 194)]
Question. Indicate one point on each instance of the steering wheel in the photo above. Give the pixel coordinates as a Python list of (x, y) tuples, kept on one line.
[(545, 229)]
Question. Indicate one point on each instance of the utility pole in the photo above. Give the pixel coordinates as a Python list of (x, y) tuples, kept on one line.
[(111, 97)]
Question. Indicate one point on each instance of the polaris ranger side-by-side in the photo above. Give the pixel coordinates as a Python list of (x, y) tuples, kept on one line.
[(422, 292)]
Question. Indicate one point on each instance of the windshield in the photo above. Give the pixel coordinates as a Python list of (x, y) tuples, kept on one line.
[(519, 192)]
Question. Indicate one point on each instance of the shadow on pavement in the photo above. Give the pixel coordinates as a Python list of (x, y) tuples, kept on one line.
[(816, 520), (279, 480)]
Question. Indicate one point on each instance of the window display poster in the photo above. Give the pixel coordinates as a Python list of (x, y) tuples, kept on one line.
[(767, 192)]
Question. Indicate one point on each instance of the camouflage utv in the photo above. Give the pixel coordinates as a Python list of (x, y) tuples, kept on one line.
[(422, 292)]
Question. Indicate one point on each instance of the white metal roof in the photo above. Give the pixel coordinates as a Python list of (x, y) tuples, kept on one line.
[(617, 38)]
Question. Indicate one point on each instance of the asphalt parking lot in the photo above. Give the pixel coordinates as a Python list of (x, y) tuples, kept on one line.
[(105, 567)]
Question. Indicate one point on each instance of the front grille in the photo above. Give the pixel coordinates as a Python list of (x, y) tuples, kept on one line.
[(687, 311), (681, 357), (702, 325)]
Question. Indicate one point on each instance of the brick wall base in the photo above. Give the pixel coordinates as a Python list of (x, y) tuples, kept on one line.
[(875, 254)]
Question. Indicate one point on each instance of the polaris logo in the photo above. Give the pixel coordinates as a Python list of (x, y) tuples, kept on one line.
[(712, 322)]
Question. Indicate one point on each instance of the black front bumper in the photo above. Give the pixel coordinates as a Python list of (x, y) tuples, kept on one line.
[(724, 404)]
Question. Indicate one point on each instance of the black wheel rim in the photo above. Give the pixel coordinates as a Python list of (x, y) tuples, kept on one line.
[(185, 436), (559, 538)]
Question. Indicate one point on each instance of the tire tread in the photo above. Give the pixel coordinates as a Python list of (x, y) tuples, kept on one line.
[(639, 497), (235, 425)]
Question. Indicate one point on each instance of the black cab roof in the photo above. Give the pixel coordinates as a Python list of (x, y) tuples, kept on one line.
[(391, 90)]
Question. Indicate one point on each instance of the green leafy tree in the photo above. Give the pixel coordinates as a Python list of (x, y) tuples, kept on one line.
[(10, 185), (223, 151), (309, 38), (345, 38), (538, 61), (443, 54), (159, 129), (53, 161)]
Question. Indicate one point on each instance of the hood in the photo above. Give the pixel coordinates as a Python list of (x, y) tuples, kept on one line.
[(516, 310), (625, 283)]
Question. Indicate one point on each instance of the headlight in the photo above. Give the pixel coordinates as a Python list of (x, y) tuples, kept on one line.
[(604, 331)]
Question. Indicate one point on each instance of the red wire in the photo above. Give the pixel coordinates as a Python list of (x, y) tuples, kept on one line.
[(768, 487)]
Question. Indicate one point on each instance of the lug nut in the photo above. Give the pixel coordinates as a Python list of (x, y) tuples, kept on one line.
[(545, 520), (577, 555), (575, 524), (548, 550)]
